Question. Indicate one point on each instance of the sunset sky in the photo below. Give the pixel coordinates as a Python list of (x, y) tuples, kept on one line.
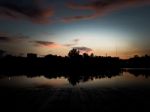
[(113, 27)]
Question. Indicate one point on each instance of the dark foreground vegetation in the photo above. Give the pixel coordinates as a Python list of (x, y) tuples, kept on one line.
[(73, 62)]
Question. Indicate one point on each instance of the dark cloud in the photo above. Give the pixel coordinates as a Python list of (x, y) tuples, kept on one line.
[(51, 44), (46, 44), (83, 49), (33, 10), (76, 40), (69, 45), (74, 18), (102, 7), (6, 37), (73, 43)]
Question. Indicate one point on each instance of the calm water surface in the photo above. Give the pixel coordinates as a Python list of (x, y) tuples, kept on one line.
[(126, 78)]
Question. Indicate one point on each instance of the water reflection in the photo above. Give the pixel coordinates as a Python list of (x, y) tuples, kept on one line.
[(110, 78)]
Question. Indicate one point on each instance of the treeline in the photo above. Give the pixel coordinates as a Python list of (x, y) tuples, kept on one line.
[(73, 62)]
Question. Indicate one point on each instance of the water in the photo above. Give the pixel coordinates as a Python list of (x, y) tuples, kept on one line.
[(125, 78), (122, 90)]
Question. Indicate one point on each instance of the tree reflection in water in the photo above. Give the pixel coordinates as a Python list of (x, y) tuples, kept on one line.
[(76, 77)]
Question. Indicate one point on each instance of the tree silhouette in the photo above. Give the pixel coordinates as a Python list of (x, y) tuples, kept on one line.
[(92, 55), (73, 53), (2, 52), (85, 55)]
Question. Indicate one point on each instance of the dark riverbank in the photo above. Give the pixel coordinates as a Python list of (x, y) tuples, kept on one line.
[(71, 63)]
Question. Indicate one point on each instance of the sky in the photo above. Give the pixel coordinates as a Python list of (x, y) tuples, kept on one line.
[(103, 27)]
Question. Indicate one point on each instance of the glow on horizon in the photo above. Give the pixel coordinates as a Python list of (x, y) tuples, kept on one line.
[(101, 42)]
